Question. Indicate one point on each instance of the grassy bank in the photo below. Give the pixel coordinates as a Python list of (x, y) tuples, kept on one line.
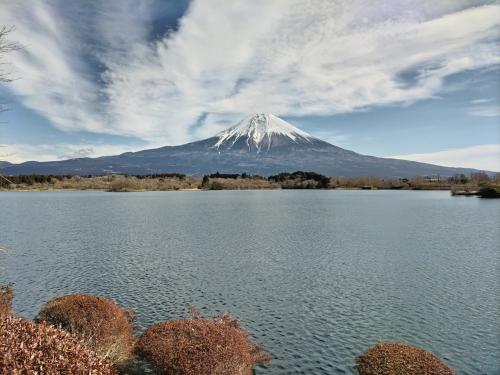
[(476, 184)]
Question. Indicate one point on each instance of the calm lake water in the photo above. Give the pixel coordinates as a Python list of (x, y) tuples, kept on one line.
[(316, 276)]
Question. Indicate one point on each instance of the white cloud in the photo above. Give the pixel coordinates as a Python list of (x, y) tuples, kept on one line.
[(481, 101), (482, 108), (19, 153), (483, 157), (289, 57), (484, 111)]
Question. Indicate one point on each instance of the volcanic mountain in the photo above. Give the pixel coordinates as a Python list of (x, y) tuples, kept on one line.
[(259, 144)]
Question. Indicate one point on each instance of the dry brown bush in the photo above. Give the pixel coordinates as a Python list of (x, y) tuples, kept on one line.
[(118, 183), (400, 359), (28, 348), (209, 346), (241, 184), (99, 323), (6, 296), (124, 183)]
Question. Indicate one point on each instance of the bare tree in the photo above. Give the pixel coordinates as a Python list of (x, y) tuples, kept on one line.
[(6, 47)]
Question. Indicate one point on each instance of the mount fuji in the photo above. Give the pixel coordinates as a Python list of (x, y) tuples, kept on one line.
[(261, 133), (260, 144)]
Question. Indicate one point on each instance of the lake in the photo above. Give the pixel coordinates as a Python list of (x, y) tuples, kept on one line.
[(315, 276)]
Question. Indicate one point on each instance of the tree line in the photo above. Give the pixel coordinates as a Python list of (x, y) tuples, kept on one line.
[(232, 181)]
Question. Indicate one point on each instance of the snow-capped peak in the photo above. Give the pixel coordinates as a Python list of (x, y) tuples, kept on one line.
[(260, 128)]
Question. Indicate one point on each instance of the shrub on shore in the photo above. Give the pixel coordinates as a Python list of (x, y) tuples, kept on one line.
[(6, 296), (489, 192), (28, 348), (400, 359), (103, 326), (124, 184), (209, 346)]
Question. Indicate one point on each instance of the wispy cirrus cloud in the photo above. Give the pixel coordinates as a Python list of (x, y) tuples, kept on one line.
[(485, 157), (97, 68)]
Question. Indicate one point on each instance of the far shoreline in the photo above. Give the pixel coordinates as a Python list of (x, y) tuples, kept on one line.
[(477, 184), (38, 190)]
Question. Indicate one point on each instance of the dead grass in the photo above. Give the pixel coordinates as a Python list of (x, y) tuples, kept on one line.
[(208, 346), (6, 297), (400, 359), (103, 326), (28, 348)]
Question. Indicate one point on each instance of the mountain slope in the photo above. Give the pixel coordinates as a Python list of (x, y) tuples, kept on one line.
[(259, 144)]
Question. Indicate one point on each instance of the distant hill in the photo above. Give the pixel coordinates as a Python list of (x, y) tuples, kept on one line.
[(259, 144)]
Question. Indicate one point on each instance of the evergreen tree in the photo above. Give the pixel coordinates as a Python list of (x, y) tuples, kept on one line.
[(205, 182)]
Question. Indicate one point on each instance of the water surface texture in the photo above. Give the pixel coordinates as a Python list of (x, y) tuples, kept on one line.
[(316, 276)]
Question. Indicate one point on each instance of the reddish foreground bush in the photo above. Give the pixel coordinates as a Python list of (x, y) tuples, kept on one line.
[(99, 323), (6, 296), (208, 346), (400, 359), (28, 348)]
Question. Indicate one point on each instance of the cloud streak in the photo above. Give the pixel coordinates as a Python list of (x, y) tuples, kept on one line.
[(485, 157), (484, 108), (96, 68), (20, 152)]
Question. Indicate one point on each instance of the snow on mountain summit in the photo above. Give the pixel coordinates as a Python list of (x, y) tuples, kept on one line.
[(259, 130)]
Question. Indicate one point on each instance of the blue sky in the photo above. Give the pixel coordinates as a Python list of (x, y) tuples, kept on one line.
[(411, 79)]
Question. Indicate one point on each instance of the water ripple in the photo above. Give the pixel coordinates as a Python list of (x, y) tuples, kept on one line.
[(316, 277)]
